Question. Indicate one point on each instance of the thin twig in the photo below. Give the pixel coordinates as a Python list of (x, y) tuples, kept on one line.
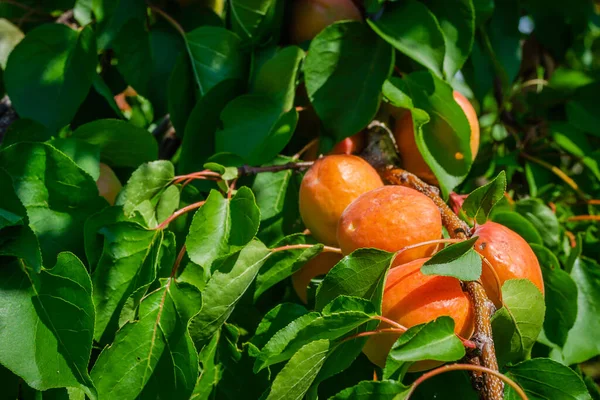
[(178, 261), (249, 170), (466, 367), (303, 150), (558, 172), (178, 213), (584, 218), (326, 249)]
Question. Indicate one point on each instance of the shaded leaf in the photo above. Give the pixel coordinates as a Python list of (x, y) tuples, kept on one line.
[(520, 225), (458, 260), (480, 202), (542, 217), (371, 390)]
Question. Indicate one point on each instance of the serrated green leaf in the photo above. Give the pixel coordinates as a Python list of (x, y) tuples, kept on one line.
[(560, 295), (346, 52), (231, 277), (518, 323), (520, 225), (374, 390), (50, 72), (121, 143), (130, 261), (12, 212), (542, 378), (542, 217), (434, 340), (209, 372), (458, 260), (142, 360), (58, 196), (359, 274), (295, 378), (412, 29), (480, 202), (85, 155), (20, 241), (250, 18), (49, 343), (222, 227), (278, 318)]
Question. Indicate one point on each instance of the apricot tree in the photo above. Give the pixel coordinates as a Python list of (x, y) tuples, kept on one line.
[(287, 199)]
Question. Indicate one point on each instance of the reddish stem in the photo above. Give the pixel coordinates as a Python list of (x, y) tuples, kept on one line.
[(466, 367), (584, 218), (303, 150), (326, 249), (178, 261), (178, 213)]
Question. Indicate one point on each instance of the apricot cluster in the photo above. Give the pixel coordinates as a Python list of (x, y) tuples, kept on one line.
[(344, 203)]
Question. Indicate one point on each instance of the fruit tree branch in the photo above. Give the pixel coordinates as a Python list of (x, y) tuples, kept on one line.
[(381, 153)]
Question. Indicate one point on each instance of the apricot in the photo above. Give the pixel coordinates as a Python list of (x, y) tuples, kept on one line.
[(319, 265), (390, 218), (309, 17), (411, 298), (350, 145), (328, 187), (108, 184), (510, 256), (412, 159)]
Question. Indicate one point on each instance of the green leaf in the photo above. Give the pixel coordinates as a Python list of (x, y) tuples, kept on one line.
[(204, 120), (121, 143), (146, 184), (542, 217), (50, 72), (20, 241), (85, 155), (222, 226), (295, 378), (130, 261), (480, 202), (583, 341), (278, 318), (412, 29), (444, 134), (208, 378), (560, 295), (575, 142), (542, 378), (10, 36), (458, 260), (581, 112), (380, 390), (254, 128), (518, 323), (112, 15), (277, 76), (457, 21), (359, 274), (270, 189), (250, 18), (216, 55), (434, 340), (346, 52), (153, 356), (12, 211), (232, 276), (49, 342), (57, 194), (283, 264), (520, 225), (340, 317)]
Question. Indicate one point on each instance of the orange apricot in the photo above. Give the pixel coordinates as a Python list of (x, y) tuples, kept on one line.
[(318, 265), (328, 187), (411, 298), (412, 160), (350, 145), (391, 218), (309, 17), (510, 256), (108, 184)]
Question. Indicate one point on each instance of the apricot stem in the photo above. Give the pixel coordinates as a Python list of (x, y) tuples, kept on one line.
[(466, 367), (178, 213), (205, 174), (178, 261), (389, 321), (584, 218), (558, 172), (249, 170), (326, 249), (303, 150)]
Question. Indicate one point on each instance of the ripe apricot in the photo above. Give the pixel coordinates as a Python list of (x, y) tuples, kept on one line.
[(411, 298), (319, 265), (390, 218), (350, 145), (328, 187), (412, 159), (510, 256), (309, 17), (108, 184)]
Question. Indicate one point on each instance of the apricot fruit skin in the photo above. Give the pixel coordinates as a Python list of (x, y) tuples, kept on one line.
[(412, 160), (309, 17), (328, 187), (391, 218), (321, 264), (350, 145), (108, 184), (411, 298), (510, 256)]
